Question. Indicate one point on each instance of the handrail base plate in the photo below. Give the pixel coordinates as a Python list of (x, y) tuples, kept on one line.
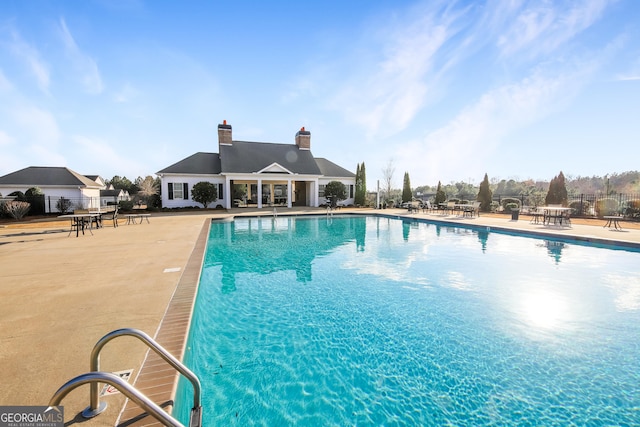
[(89, 412)]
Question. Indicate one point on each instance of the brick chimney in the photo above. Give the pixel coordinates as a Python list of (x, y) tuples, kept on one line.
[(303, 139), (224, 134)]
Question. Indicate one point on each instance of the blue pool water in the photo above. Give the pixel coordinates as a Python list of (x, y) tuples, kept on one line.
[(379, 321)]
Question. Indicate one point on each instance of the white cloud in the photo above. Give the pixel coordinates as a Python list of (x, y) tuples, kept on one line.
[(633, 76), (31, 57), (103, 153), (85, 65), (542, 27), (385, 94), (461, 147)]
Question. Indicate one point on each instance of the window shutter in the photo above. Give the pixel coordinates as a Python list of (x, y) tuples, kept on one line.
[(170, 190), (220, 195), (185, 191)]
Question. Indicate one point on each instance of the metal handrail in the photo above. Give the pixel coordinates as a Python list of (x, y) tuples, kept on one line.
[(95, 407), (124, 387)]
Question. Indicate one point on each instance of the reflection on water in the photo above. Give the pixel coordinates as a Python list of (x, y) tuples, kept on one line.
[(554, 249), (267, 245)]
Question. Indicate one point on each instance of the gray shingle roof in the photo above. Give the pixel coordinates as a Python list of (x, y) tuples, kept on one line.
[(329, 168), (199, 163), (41, 176), (249, 157)]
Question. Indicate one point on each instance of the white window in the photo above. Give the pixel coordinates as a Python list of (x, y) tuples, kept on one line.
[(178, 190)]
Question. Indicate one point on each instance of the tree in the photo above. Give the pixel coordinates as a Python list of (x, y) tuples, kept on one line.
[(441, 197), (484, 195), (335, 191), (205, 193), (387, 176), (557, 193), (149, 187), (123, 183), (33, 191), (406, 189), (361, 185)]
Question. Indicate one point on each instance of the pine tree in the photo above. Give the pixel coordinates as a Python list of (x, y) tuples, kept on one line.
[(406, 189), (557, 194), (484, 195), (441, 197), (361, 185)]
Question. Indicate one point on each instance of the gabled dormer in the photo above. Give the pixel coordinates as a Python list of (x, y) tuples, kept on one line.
[(275, 168)]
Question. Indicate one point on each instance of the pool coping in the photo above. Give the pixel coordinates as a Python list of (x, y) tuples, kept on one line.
[(158, 381)]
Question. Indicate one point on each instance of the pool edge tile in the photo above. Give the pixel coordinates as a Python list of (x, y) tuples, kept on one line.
[(173, 329)]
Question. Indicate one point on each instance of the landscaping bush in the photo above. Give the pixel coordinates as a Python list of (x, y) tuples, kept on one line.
[(16, 210), (632, 209), (575, 206), (607, 207), (509, 203), (126, 205), (63, 205), (511, 207)]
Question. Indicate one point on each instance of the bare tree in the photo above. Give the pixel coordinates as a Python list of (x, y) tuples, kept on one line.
[(387, 176), (148, 188)]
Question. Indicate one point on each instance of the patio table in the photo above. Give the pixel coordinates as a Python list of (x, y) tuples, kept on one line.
[(79, 222), (557, 213)]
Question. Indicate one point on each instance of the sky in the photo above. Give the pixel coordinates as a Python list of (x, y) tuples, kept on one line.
[(442, 90)]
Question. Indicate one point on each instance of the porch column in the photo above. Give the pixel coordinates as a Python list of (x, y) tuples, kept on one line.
[(289, 193), (314, 193), (259, 193), (227, 192)]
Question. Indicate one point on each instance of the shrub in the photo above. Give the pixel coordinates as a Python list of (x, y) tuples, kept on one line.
[(126, 205), (607, 207), (577, 204), (508, 202), (508, 207), (63, 205), (632, 209), (16, 209), (334, 192), (205, 193), (19, 196)]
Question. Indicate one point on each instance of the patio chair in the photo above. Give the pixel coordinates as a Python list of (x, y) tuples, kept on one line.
[(114, 217), (451, 207), (537, 215), (471, 209)]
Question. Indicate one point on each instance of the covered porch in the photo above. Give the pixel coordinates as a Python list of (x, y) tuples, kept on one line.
[(272, 192)]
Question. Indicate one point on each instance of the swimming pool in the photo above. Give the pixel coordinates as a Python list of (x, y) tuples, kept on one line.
[(380, 321)]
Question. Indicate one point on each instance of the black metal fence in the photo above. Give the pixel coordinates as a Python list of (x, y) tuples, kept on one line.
[(584, 205)]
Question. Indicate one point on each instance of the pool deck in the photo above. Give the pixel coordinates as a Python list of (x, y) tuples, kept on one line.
[(59, 295)]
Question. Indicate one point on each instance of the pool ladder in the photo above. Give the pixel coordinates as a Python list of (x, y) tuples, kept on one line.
[(95, 377)]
